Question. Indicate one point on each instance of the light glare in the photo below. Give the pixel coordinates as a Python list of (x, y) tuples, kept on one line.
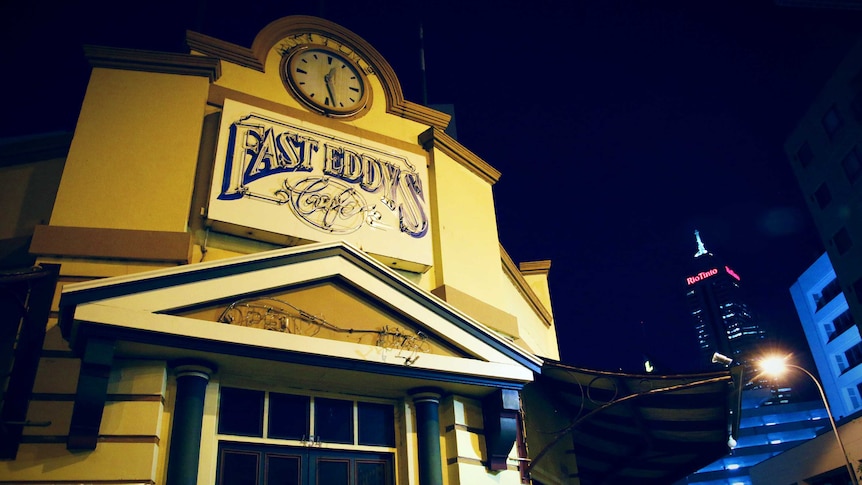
[(773, 366)]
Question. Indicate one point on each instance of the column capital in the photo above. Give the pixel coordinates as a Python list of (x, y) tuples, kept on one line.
[(426, 394), (193, 368)]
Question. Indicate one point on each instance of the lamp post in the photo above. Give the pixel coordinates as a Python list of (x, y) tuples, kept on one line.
[(775, 366)]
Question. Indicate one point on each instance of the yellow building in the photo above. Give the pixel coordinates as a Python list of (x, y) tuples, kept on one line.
[(272, 268)]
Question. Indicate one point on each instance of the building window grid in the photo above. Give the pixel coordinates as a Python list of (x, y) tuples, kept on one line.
[(310, 435)]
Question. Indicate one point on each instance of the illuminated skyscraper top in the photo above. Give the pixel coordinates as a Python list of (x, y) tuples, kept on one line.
[(722, 320), (701, 249)]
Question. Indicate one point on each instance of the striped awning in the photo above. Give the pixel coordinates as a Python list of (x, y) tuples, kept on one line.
[(644, 429)]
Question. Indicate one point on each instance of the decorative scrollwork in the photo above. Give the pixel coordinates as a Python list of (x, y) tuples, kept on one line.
[(280, 316)]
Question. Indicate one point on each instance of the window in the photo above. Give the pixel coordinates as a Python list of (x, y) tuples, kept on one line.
[(854, 355), (852, 165), (241, 412), (827, 294), (853, 396), (822, 196), (841, 362), (262, 464), (805, 155), (305, 418), (269, 438), (841, 323), (842, 241), (832, 121)]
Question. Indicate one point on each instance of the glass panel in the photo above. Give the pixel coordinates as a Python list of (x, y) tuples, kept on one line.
[(240, 412), (371, 473), (288, 416), (376, 424), (283, 469), (333, 420), (238, 468), (333, 472)]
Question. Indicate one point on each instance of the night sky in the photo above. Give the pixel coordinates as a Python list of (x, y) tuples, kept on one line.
[(619, 127)]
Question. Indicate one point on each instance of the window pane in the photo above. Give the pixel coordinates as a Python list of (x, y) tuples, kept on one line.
[(371, 473), (240, 412), (376, 424), (333, 472), (282, 469), (238, 468), (333, 420), (288, 416)]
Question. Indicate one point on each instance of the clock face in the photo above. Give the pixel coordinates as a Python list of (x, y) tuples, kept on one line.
[(325, 81)]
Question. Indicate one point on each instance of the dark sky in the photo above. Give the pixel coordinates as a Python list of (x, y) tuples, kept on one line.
[(619, 127)]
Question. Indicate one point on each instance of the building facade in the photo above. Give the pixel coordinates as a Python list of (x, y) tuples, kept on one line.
[(765, 431), (721, 318), (825, 152), (262, 264), (832, 335)]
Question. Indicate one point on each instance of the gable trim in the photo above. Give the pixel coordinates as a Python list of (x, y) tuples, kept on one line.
[(125, 286)]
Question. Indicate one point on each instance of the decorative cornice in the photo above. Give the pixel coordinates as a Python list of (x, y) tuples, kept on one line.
[(512, 271), (436, 138), (276, 31), (535, 267), (226, 51), (152, 61)]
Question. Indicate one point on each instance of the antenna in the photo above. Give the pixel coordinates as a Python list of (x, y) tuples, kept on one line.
[(701, 249), (422, 64)]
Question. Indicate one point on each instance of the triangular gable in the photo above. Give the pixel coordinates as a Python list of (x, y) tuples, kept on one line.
[(160, 306)]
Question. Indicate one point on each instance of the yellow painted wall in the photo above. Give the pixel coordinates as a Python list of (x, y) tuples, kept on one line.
[(464, 454), (468, 252), (130, 434), (534, 334), (132, 160)]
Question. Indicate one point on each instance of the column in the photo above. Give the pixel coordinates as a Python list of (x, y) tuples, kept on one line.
[(185, 444), (427, 403)]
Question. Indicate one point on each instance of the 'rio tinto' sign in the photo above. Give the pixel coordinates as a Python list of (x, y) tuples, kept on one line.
[(706, 274)]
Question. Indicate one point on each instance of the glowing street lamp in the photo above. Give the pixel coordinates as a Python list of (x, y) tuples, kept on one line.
[(776, 366)]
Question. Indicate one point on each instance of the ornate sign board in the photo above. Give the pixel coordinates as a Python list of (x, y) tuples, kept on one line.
[(277, 175)]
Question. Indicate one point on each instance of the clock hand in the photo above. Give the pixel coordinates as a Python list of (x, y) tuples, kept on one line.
[(328, 79)]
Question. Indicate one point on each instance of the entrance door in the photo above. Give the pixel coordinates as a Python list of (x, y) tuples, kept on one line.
[(253, 464)]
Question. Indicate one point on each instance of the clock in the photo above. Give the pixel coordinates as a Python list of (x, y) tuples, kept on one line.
[(325, 80)]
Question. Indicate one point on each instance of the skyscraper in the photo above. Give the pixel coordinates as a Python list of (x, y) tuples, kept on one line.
[(722, 320)]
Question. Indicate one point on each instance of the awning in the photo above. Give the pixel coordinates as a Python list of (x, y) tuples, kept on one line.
[(629, 428)]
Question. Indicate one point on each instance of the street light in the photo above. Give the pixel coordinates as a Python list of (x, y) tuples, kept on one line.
[(776, 366)]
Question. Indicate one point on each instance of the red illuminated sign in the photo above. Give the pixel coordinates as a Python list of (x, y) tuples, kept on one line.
[(732, 273), (701, 276)]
